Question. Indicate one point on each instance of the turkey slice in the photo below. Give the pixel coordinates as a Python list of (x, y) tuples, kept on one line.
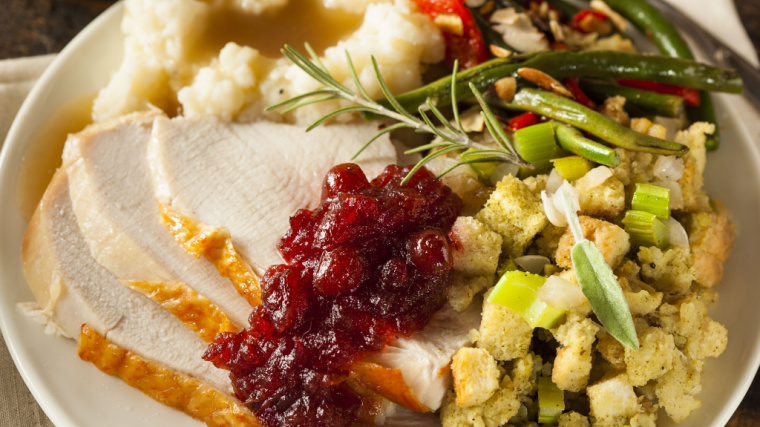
[(114, 201), (424, 359), (251, 177), (72, 289)]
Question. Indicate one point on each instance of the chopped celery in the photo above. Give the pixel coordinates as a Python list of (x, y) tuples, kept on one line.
[(483, 169), (536, 144), (551, 401), (572, 167), (518, 290), (653, 199), (646, 229)]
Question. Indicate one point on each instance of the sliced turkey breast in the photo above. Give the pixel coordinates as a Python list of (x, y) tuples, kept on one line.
[(251, 177), (114, 202), (73, 289), (425, 357)]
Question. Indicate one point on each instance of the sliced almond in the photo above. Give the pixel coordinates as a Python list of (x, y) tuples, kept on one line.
[(199, 239), (449, 23), (499, 52), (163, 385), (617, 20), (592, 24), (487, 8), (544, 80), (506, 88)]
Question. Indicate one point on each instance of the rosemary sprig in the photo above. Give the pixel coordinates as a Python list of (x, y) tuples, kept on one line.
[(450, 138)]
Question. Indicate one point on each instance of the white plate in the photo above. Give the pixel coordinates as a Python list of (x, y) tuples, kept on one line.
[(75, 393)]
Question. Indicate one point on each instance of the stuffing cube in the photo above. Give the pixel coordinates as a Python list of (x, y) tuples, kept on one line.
[(606, 200), (613, 242), (694, 137), (653, 359), (676, 389), (464, 289), (475, 249), (476, 376), (573, 419), (711, 237), (572, 366), (514, 212), (612, 401), (667, 271), (503, 333)]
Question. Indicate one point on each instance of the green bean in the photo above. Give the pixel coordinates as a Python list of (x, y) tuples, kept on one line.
[(655, 103), (562, 64), (669, 41), (572, 140), (568, 111)]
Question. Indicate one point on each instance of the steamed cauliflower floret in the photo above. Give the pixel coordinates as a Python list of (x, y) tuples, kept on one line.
[(612, 401), (573, 419), (653, 359), (677, 388), (572, 366), (503, 333), (694, 162), (476, 376), (475, 249), (605, 200), (225, 86), (613, 242), (464, 289), (495, 412), (711, 237), (515, 213), (667, 271)]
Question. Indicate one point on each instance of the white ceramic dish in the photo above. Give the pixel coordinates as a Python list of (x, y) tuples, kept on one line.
[(75, 393)]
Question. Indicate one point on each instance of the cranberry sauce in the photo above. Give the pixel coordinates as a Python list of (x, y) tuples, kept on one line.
[(371, 263)]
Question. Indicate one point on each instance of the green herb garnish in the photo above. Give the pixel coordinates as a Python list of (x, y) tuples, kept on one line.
[(450, 138), (598, 282)]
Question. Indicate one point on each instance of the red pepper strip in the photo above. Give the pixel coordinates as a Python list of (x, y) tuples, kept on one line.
[(523, 120), (560, 46), (572, 84), (690, 96), (469, 48), (575, 23)]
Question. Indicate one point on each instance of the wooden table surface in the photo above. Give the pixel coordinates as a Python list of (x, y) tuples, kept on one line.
[(34, 27)]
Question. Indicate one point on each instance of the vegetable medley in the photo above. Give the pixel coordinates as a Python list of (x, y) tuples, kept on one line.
[(588, 239)]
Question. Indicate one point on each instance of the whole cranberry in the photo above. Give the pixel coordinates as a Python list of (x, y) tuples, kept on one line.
[(343, 178), (340, 270), (429, 251)]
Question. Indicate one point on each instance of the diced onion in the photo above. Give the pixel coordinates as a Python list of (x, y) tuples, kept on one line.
[(556, 217), (532, 263), (596, 177), (559, 203), (560, 293), (678, 236), (676, 195), (502, 170), (668, 168), (554, 181)]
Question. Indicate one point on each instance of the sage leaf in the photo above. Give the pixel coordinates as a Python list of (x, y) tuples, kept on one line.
[(597, 281), (601, 288)]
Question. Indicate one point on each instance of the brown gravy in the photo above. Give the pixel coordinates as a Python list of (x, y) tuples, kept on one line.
[(303, 21), (43, 154)]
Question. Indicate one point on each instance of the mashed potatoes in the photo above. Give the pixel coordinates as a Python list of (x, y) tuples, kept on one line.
[(170, 63)]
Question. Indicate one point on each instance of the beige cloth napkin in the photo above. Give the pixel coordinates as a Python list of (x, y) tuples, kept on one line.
[(17, 406)]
